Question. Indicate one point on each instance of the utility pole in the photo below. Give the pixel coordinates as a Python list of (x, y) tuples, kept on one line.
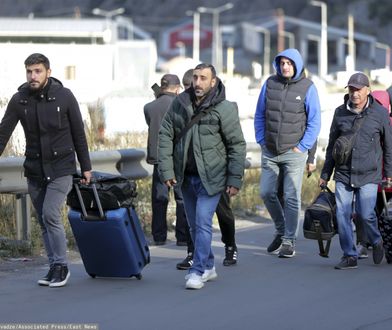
[(217, 60), (351, 43), (196, 34), (323, 62), (280, 18)]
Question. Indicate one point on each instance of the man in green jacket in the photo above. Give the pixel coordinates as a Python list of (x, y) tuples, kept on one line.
[(205, 161)]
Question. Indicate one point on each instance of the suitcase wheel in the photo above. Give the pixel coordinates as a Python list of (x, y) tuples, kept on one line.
[(93, 275), (139, 276)]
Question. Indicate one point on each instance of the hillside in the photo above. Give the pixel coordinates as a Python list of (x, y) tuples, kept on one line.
[(371, 16)]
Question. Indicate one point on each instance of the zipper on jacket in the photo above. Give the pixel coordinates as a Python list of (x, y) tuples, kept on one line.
[(27, 120), (285, 91), (59, 116)]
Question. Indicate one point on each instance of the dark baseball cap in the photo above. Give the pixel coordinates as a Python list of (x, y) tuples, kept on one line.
[(169, 80), (358, 80)]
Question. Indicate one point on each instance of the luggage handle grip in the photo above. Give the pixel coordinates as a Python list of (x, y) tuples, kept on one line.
[(96, 197), (325, 187)]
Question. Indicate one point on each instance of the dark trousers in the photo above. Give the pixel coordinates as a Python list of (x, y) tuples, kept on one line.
[(226, 223), (159, 201)]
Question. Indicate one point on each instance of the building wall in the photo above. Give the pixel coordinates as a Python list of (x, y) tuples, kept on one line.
[(91, 71)]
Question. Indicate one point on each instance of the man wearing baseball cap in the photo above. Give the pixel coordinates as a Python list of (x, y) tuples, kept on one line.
[(359, 175), (154, 113)]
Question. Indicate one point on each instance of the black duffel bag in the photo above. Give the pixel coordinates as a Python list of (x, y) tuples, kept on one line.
[(113, 191), (320, 220)]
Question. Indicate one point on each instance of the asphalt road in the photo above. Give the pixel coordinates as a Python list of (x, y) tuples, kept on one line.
[(261, 292)]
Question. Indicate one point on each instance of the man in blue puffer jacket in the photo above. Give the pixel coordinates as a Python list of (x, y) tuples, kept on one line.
[(287, 123)]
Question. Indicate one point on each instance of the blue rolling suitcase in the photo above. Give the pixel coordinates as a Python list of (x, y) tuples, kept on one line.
[(111, 242)]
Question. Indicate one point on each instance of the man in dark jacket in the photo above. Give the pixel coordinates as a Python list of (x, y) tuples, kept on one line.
[(54, 132), (154, 112), (362, 172), (287, 123), (205, 161)]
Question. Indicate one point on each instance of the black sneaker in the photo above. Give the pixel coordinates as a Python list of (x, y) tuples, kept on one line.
[(347, 263), (378, 252), (287, 250), (186, 263), (275, 245), (60, 276), (47, 278), (230, 256)]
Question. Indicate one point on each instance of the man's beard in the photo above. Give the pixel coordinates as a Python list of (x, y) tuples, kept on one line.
[(36, 87)]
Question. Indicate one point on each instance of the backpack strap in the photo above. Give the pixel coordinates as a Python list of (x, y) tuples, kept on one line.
[(323, 250)]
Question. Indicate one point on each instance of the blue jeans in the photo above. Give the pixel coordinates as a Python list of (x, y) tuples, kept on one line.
[(199, 209), (292, 165), (365, 203), (48, 199)]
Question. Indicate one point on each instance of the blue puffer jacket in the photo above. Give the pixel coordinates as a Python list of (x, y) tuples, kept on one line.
[(372, 147)]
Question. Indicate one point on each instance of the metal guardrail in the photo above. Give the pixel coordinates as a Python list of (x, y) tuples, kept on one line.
[(127, 162)]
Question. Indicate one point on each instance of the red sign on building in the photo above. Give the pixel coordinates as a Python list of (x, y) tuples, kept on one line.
[(184, 33)]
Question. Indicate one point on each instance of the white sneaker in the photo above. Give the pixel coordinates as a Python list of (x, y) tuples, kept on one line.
[(209, 274), (194, 281)]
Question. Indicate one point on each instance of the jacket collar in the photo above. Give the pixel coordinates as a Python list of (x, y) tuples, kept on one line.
[(49, 91), (214, 97)]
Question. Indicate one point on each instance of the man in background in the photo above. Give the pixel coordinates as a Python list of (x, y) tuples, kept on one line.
[(154, 112)]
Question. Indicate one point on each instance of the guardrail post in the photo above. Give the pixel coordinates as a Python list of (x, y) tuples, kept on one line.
[(23, 216)]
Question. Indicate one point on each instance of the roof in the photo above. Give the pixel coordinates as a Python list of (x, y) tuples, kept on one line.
[(316, 26), (63, 27)]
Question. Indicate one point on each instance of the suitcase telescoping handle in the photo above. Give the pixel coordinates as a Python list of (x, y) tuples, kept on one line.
[(87, 216)]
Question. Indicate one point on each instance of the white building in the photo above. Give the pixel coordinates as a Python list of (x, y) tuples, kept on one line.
[(93, 57)]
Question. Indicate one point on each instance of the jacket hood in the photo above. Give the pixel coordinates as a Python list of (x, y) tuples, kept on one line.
[(293, 55), (216, 95)]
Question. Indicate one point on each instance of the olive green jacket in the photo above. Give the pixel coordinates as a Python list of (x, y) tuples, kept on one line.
[(218, 143)]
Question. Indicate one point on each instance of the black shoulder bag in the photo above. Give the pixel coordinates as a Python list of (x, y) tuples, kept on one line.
[(341, 151), (194, 120)]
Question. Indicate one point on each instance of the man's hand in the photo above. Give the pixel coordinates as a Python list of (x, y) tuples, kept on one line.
[(323, 183), (86, 177), (232, 191), (170, 183), (295, 149), (310, 168)]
